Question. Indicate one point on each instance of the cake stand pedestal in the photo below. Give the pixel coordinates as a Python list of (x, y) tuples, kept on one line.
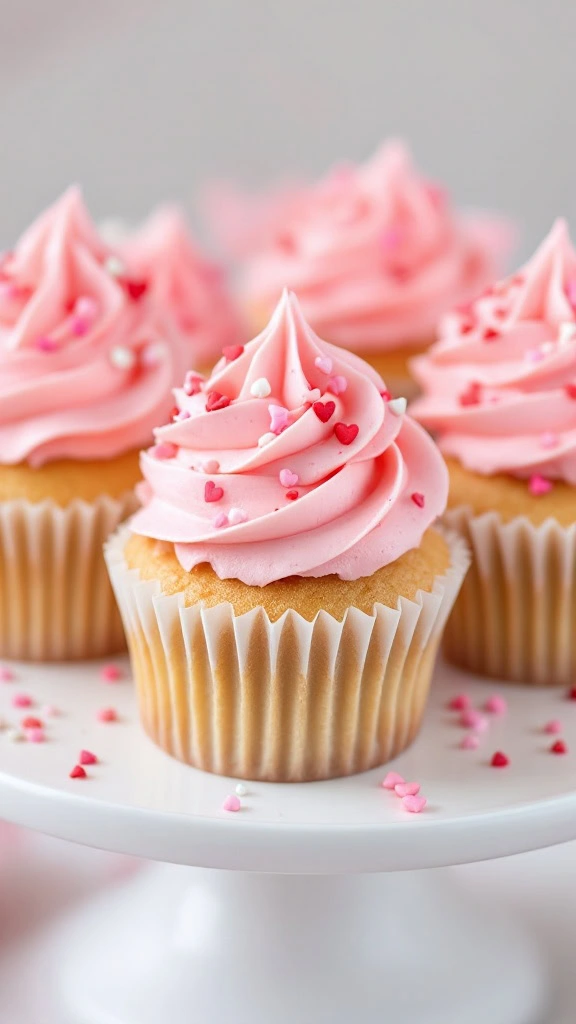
[(325, 909)]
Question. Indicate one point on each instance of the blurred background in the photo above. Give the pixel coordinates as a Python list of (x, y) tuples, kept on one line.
[(140, 100)]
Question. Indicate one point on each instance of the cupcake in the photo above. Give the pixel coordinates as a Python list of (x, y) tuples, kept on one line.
[(376, 254), (90, 350), (500, 395), (282, 588)]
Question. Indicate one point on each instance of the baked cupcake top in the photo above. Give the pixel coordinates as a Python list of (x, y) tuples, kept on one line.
[(500, 384), (376, 255), (291, 459), (90, 347)]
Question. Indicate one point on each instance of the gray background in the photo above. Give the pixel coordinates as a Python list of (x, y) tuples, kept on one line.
[(143, 100)]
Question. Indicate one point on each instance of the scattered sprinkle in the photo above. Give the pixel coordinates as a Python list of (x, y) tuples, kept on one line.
[(266, 439), (324, 410), (87, 757), (490, 334), (193, 383), (472, 395), (553, 727), (391, 780), (31, 722), (220, 520), (346, 433), (324, 364), (153, 354), (539, 485), (496, 705), (559, 747), (288, 478), (460, 702), (237, 516), (278, 418), (21, 700), (107, 715), (471, 718), (36, 735), (46, 345), (111, 673), (292, 495), (136, 289), (566, 333), (212, 492), (418, 499), (570, 390), (122, 357), (260, 388), (232, 803), (398, 406), (6, 674), (77, 772), (571, 693), (499, 760), (386, 395), (240, 789), (337, 384), (232, 352), (215, 401), (471, 741), (210, 466), (407, 788), (114, 266), (164, 450), (414, 804)]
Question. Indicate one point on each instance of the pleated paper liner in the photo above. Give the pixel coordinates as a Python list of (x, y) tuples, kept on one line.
[(283, 701), (515, 617), (56, 601)]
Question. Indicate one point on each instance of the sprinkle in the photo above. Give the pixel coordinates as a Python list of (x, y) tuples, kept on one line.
[(566, 333), (232, 352), (559, 747), (122, 357), (407, 788), (346, 433), (460, 702), (418, 499), (220, 520), (193, 383), (31, 722), (472, 395), (414, 804), (570, 390), (110, 673), (77, 772), (87, 757), (210, 466), (15, 736), (21, 700), (164, 450), (288, 478), (533, 355), (386, 395), (215, 401), (391, 780), (46, 344), (490, 334), (539, 485), (471, 719), (212, 492), (499, 760), (553, 727), (496, 705), (231, 803), (398, 406), (278, 418), (107, 715), (260, 388), (572, 693), (86, 307), (549, 440), (153, 354), (114, 266), (266, 438), (324, 410), (240, 789), (470, 741), (237, 516), (6, 674), (338, 384), (182, 414), (292, 495), (36, 735), (324, 364)]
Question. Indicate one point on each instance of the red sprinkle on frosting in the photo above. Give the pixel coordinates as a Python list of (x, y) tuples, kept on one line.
[(232, 352), (418, 499), (214, 401), (499, 760), (472, 395), (291, 495), (78, 772), (386, 395), (559, 747), (212, 492), (571, 390), (87, 757), (490, 334), (346, 432), (135, 289), (324, 410)]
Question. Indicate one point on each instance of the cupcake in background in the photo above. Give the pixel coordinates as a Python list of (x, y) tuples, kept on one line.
[(500, 396), (89, 353), (376, 254), (283, 588)]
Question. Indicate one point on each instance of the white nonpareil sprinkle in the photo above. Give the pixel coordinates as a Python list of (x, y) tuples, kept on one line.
[(240, 789), (122, 358), (114, 266), (154, 353), (265, 439), (566, 333), (260, 388), (398, 406)]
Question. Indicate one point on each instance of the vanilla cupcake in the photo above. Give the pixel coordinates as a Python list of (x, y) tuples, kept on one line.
[(283, 589), (500, 395), (377, 255), (90, 350)]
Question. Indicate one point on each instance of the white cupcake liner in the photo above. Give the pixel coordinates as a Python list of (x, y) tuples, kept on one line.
[(56, 602), (515, 617), (289, 700)]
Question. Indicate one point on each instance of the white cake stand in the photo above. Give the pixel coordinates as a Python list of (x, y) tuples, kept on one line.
[(310, 922)]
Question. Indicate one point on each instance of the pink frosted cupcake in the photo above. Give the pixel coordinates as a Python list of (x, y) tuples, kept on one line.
[(91, 346), (500, 395), (376, 255)]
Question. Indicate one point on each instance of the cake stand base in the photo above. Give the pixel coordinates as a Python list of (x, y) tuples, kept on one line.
[(199, 946)]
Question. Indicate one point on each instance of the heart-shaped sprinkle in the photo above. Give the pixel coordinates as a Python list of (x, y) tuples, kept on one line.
[(107, 715), (164, 450), (193, 382), (6, 674), (398, 406), (346, 433), (570, 390), (499, 760), (338, 384), (31, 722), (490, 334), (470, 718), (571, 695), (324, 364), (414, 804), (278, 418), (288, 478), (87, 757), (407, 788), (496, 705), (22, 700), (386, 395), (418, 499), (324, 410), (559, 747), (36, 735), (135, 289), (553, 727), (566, 333), (470, 741), (292, 495), (539, 485), (215, 401), (220, 521), (212, 492), (461, 702), (232, 352), (237, 516), (266, 439), (260, 388), (78, 772), (232, 803), (391, 780), (472, 395)]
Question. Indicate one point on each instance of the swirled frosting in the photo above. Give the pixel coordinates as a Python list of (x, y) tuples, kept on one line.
[(376, 255), (89, 347), (290, 460), (500, 384)]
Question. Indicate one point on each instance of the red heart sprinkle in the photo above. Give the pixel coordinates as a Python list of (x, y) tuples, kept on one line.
[(490, 334), (559, 747), (87, 757), (499, 760), (570, 390), (78, 772), (212, 492), (32, 723), (386, 395), (572, 693), (135, 289), (346, 432), (214, 401), (232, 352), (472, 396), (291, 495), (324, 410), (418, 499), (466, 328)]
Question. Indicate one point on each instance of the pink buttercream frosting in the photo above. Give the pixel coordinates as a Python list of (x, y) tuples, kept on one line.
[(500, 385), (89, 345), (376, 255), (290, 460)]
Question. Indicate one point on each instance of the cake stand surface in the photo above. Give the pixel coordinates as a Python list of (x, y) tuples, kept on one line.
[(311, 922)]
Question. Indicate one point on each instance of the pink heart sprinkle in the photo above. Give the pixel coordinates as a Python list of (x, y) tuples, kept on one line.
[(164, 450), (324, 364), (407, 788), (553, 727), (470, 742), (460, 702), (391, 780), (414, 804), (470, 717), (36, 735), (278, 418), (107, 715), (212, 492), (338, 384), (496, 705), (87, 757), (232, 803), (288, 478), (6, 674), (110, 673), (237, 516), (220, 520), (46, 344), (539, 485), (21, 700), (193, 382)]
